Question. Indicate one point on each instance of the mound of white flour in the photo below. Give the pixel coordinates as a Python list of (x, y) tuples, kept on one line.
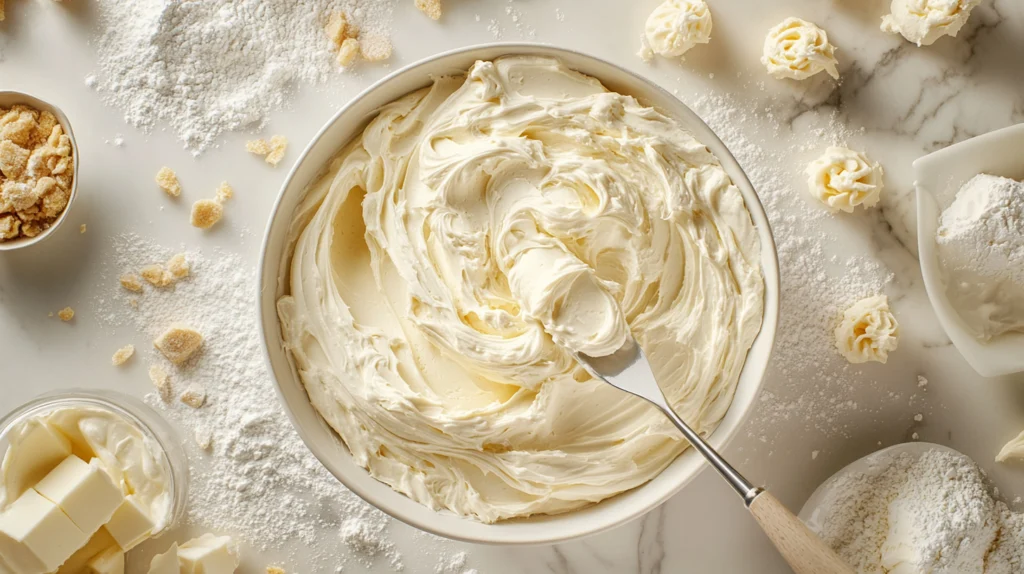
[(981, 249), (217, 65), (930, 514)]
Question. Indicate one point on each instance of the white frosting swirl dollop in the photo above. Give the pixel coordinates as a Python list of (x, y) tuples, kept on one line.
[(797, 49), (925, 21), (842, 179), (675, 26), (478, 232), (868, 331)]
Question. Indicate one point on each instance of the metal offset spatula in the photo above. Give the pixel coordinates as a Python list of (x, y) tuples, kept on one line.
[(628, 369)]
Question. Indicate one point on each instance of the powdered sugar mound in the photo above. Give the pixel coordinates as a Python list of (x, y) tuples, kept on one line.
[(257, 480), (217, 65), (932, 513), (811, 299)]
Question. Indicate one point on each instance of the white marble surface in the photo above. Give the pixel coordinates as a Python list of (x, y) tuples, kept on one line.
[(895, 101)]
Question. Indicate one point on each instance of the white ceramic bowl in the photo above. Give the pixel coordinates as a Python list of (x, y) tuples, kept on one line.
[(10, 98), (329, 448), (938, 176)]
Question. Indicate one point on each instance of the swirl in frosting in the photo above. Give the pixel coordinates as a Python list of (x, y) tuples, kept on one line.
[(477, 234)]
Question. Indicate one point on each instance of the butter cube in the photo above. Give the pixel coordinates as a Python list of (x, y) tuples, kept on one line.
[(110, 561), (36, 449), (207, 554), (166, 563), (130, 523), (36, 536), (84, 491), (99, 542)]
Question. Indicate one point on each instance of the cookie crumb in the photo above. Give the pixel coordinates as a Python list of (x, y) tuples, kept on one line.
[(348, 52), (194, 396), (66, 314), (376, 49), (224, 192), (204, 439), (258, 147), (122, 355), (337, 28), (275, 570), (178, 266), (432, 8), (81, 228), (918, 417), (206, 213), (168, 181), (179, 343), (156, 275), (131, 282), (158, 376)]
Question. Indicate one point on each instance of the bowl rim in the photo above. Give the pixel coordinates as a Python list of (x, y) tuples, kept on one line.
[(763, 342), (18, 97)]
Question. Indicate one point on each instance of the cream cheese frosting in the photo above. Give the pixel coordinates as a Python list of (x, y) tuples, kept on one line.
[(675, 26), (843, 178), (478, 233), (868, 331), (798, 49), (925, 21)]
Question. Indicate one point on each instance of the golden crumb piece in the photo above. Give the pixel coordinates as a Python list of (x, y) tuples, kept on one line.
[(348, 52), (81, 228), (168, 181), (179, 343), (278, 145), (13, 159), (375, 49), (178, 266), (206, 213), (275, 570), (157, 275), (432, 8), (194, 396), (158, 376), (224, 192), (337, 28), (10, 227), (66, 314), (204, 439), (122, 355), (258, 147), (131, 282)]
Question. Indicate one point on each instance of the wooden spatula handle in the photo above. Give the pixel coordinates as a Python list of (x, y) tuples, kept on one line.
[(802, 549)]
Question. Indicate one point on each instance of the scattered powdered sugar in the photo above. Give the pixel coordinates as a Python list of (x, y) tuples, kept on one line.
[(811, 297), (218, 65), (932, 513), (255, 479)]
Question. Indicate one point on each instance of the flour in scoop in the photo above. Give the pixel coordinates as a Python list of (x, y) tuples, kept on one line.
[(217, 65), (981, 249), (930, 514)]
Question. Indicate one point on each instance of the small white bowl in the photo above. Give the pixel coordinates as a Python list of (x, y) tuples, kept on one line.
[(938, 176), (9, 98), (325, 443)]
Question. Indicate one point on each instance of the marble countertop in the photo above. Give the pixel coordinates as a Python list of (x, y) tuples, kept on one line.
[(895, 101)]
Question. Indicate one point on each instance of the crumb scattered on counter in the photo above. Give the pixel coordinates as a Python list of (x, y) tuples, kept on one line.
[(131, 282), (168, 181), (66, 314), (194, 396), (179, 343), (206, 213), (81, 228), (122, 355), (348, 52), (162, 381), (432, 8), (273, 150)]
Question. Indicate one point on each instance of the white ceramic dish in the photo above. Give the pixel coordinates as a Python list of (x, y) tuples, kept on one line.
[(325, 443), (938, 176), (10, 98)]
